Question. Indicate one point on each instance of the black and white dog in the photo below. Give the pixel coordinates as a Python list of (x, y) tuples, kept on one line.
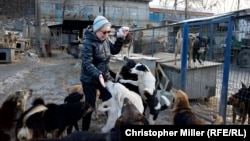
[(146, 83), (200, 48), (124, 73), (115, 104), (52, 118)]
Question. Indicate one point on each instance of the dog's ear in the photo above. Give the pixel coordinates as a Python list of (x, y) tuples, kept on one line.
[(119, 122), (125, 59), (173, 89), (243, 85), (145, 68), (142, 119)]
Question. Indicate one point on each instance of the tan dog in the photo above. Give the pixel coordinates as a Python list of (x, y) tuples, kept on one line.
[(78, 88), (238, 109), (10, 111), (178, 46), (127, 44), (183, 114)]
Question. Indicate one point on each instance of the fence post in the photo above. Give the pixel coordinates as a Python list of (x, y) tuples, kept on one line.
[(226, 67), (184, 52), (152, 43)]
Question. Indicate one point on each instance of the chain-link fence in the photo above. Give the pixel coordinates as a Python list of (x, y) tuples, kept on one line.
[(224, 66)]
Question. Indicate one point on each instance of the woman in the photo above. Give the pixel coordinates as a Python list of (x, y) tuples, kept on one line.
[(95, 54)]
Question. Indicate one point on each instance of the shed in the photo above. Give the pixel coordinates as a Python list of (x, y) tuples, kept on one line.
[(64, 33)]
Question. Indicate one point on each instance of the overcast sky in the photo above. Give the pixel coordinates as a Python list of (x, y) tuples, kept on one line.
[(226, 5)]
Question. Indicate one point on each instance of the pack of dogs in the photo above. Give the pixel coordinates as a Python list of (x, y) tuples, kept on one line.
[(144, 83), (130, 116), (197, 47), (52, 119), (133, 95)]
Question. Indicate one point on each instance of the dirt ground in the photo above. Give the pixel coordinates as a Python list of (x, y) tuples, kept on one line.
[(44, 76)]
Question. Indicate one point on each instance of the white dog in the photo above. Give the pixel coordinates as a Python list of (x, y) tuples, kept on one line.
[(115, 104)]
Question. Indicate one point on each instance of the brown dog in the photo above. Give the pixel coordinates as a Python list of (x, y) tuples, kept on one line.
[(238, 108), (10, 111), (78, 88), (130, 115), (183, 114)]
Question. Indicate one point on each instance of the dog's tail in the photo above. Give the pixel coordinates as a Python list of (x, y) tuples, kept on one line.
[(166, 101), (64, 85), (165, 98), (218, 120)]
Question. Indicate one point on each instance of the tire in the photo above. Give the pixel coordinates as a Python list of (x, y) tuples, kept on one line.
[(243, 59)]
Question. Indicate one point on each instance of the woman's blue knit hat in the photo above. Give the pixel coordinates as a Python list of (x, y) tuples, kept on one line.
[(99, 22)]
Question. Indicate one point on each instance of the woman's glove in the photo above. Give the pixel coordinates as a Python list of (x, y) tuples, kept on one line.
[(123, 32)]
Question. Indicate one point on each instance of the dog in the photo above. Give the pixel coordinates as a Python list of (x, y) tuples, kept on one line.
[(145, 78), (183, 114), (77, 88), (114, 105), (51, 118), (127, 44), (238, 108), (124, 73), (71, 98), (153, 103), (178, 46), (10, 111), (130, 115), (22, 122), (72, 88), (146, 83), (243, 95), (200, 48)]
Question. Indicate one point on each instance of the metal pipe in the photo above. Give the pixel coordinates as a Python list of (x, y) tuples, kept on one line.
[(37, 25)]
